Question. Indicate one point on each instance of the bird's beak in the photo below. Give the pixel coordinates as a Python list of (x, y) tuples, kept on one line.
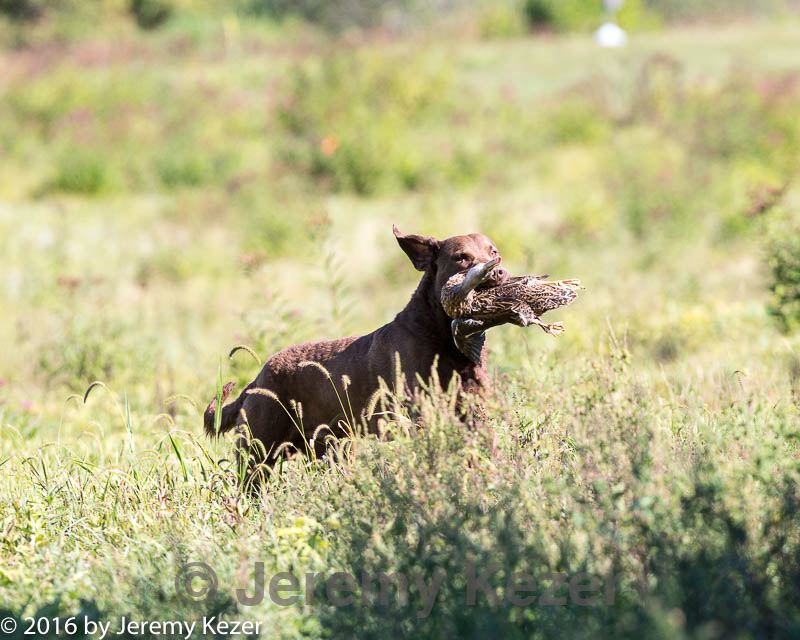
[(476, 276)]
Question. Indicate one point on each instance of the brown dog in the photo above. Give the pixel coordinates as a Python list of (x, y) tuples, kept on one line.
[(419, 334)]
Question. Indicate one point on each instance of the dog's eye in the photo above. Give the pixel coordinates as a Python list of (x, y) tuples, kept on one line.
[(461, 257)]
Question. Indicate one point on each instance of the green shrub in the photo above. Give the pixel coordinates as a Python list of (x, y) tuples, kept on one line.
[(82, 173), (334, 15), (44, 103), (652, 188), (746, 117), (635, 14), (22, 10), (354, 119), (682, 10), (572, 15), (539, 13), (576, 120), (563, 15), (501, 20), (783, 258), (717, 142), (182, 167), (151, 14), (83, 350), (583, 15)]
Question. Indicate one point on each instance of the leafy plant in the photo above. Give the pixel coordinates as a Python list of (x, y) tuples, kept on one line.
[(501, 20), (680, 10), (22, 10), (82, 172), (582, 15), (353, 119), (335, 15), (562, 15), (783, 259), (151, 14)]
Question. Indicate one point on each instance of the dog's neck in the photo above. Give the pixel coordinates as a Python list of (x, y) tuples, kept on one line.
[(424, 313)]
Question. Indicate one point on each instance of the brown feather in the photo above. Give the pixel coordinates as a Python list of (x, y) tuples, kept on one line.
[(518, 300)]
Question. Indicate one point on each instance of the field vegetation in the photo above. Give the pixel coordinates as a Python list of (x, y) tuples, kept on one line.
[(179, 178)]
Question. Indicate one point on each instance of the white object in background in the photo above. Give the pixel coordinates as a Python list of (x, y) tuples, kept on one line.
[(612, 6), (611, 35)]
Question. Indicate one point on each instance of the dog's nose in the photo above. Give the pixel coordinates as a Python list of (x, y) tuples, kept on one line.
[(499, 275)]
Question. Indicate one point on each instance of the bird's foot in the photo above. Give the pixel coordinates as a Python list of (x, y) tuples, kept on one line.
[(553, 328)]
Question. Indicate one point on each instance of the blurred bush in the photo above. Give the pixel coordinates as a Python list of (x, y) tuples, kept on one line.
[(354, 118), (582, 15), (82, 172), (652, 188), (334, 15), (674, 330), (783, 258), (501, 20), (717, 143), (84, 349), (562, 15), (682, 10), (186, 163), (150, 14), (21, 10), (576, 120), (748, 117)]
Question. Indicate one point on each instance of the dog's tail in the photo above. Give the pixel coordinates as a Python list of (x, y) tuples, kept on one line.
[(229, 413)]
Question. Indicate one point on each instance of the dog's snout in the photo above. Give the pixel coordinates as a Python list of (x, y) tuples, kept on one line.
[(499, 275)]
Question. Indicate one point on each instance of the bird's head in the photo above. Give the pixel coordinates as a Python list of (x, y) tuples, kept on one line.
[(474, 277)]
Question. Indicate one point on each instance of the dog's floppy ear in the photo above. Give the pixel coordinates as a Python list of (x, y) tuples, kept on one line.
[(421, 249)]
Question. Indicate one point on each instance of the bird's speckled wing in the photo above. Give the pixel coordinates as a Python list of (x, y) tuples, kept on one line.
[(538, 295), (524, 280), (505, 300), (495, 305), (546, 296)]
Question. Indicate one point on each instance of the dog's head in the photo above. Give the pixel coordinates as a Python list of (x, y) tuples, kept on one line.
[(442, 259)]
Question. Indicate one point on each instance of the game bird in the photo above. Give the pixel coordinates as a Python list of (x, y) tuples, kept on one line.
[(520, 300)]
